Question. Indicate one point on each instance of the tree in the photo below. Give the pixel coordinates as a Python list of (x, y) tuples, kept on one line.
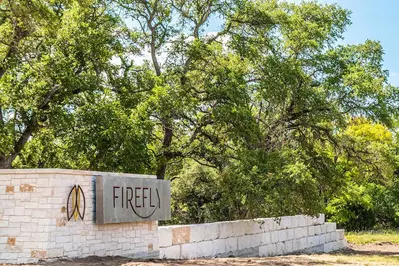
[(266, 101), (271, 78), (53, 57)]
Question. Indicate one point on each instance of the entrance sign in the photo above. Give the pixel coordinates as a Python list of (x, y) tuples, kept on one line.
[(127, 199)]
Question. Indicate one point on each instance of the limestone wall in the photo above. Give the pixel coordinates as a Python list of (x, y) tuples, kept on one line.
[(34, 224), (259, 237)]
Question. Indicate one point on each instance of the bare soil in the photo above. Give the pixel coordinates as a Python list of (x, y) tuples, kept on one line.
[(369, 254)]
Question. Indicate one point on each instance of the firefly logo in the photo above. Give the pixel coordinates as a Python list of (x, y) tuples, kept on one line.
[(142, 197), (75, 207)]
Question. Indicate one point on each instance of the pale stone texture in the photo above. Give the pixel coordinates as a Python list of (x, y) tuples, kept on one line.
[(189, 251), (226, 230), (197, 232), (258, 237), (35, 224), (231, 244), (172, 252), (165, 237), (180, 235)]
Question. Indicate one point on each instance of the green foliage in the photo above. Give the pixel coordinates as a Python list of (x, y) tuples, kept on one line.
[(195, 195), (53, 59), (354, 210), (369, 198), (268, 116), (366, 207)]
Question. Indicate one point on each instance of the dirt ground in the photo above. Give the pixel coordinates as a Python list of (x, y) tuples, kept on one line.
[(369, 254)]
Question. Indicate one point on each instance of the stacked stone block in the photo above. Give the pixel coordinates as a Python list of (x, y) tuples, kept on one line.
[(34, 224), (258, 237)]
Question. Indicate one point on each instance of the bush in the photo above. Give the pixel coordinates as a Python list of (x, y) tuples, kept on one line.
[(366, 207)]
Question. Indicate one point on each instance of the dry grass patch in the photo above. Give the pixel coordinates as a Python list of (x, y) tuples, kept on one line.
[(361, 238)]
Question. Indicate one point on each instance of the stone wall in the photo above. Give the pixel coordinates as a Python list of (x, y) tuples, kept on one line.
[(34, 224), (259, 237)]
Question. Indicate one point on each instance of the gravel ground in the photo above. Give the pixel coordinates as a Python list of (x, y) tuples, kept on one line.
[(370, 254)]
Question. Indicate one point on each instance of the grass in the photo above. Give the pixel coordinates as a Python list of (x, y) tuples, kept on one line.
[(365, 259), (371, 237), (368, 237), (362, 259)]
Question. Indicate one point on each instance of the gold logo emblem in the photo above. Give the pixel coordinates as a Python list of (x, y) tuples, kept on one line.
[(75, 206)]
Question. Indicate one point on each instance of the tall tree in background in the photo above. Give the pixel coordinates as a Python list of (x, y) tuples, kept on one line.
[(262, 106), (271, 78)]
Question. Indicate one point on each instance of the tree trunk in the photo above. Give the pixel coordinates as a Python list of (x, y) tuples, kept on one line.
[(161, 168), (165, 156), (6, 162)]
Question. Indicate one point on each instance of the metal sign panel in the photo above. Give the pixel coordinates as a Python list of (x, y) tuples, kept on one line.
[(127, 199)]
